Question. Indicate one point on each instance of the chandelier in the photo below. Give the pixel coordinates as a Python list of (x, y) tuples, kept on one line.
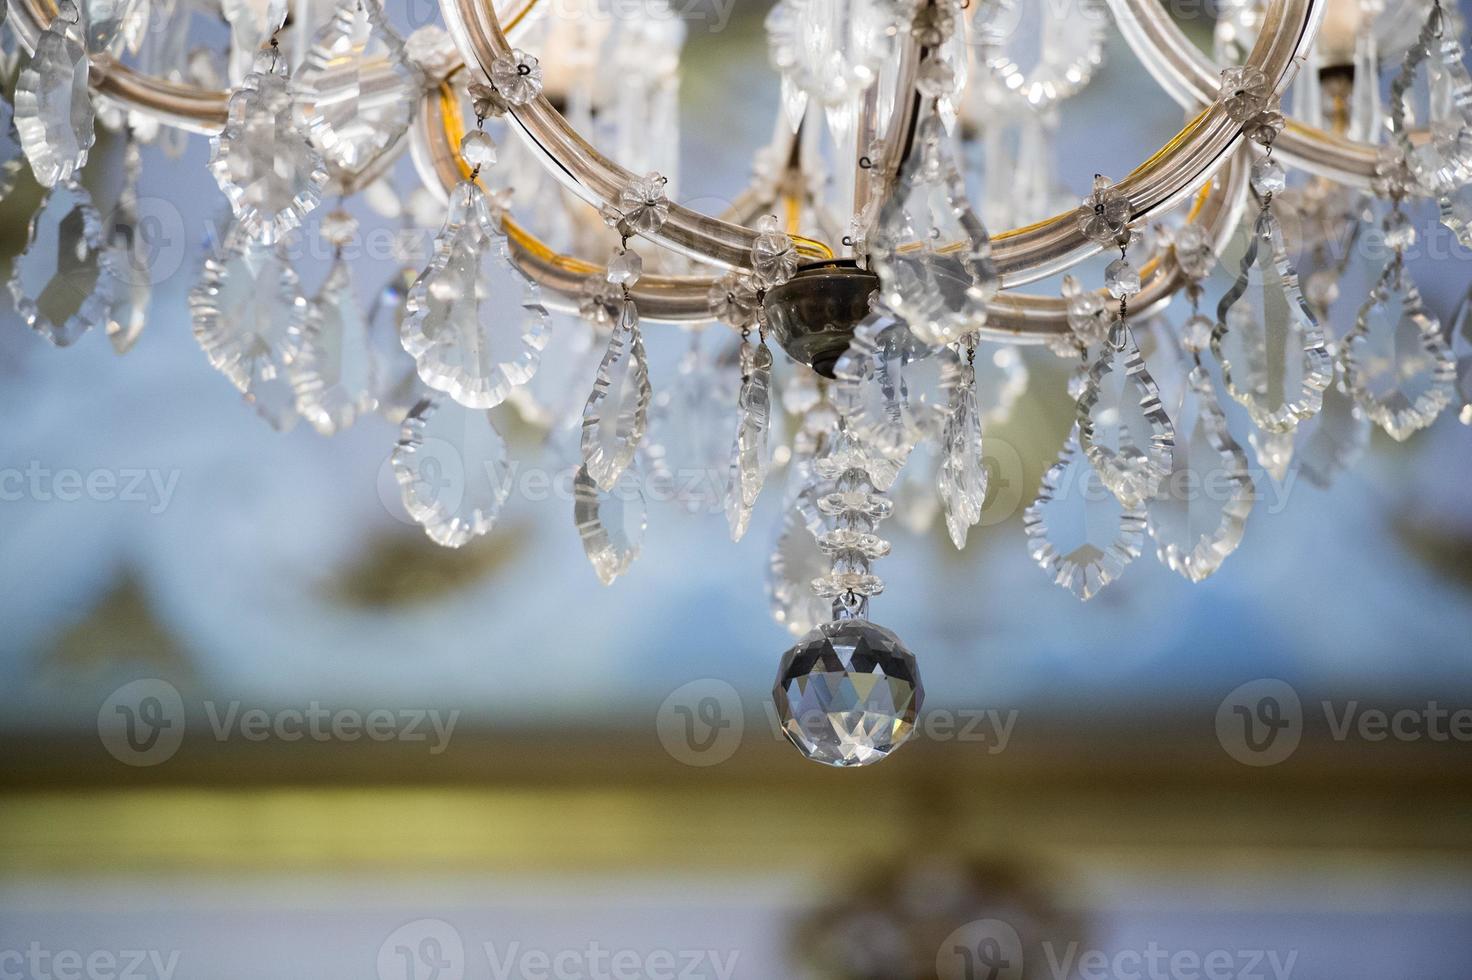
[(860, 251)]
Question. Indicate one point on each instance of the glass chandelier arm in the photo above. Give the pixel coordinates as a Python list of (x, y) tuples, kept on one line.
[(1190, 77), (477, 31)]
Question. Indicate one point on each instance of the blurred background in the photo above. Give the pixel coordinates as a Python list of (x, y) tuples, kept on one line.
[(382, 758)]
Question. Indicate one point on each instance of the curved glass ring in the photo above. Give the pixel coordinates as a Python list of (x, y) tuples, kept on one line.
[(1025, 255), (1190, 77), (1012, 317), (177, 104)]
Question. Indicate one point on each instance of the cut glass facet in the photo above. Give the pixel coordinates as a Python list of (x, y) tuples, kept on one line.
[(610, 523), (64, 281), (961, 481), (616, 415), (749, 457), (1122, 427), (53, 105)]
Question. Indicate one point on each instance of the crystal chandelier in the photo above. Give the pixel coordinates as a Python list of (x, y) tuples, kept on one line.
[(860, 250)]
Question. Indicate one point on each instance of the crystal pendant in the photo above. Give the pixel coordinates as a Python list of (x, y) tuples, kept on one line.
[(248, 310), (1198, 516), (1396, 363), (831, 50), (252, 23), (334, 372), (616, 415), (397, 386), (53, 106), (1434, 91), (610, 522), (453, 472), (63, 283), (475, 324), (795, 561), (1270, 346), (890, 386), (1122, 427), (1335, 439), (1461, 348), (1455, 204), (848, 693), (268, 169), (350, 121), (930, 250), (1077, 530), (962, 478), (749, 458)]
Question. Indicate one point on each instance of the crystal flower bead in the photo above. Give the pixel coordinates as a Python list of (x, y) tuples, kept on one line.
[(1244, 92), (1104, 215), (266, 166), (53, 106), (848, 693), (733, 300), (773, 255), (517, 76), (643, 204), (599, 300)]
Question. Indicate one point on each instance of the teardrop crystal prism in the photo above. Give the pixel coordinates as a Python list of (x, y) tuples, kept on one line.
[(334, 372), (397, 387), (890, 386), (248, 310), (610, 522), (453, 471), (1461, 347), (1335, 439), (1270, 346), (53, 106), (1396, 363), (270, 172), (616, 415), (1274, 451), (931, 251), (749, 458), (475, 324), (961, 481), (1200, 511), (64, 282), (1123, 429), (356, 90), (1077, 531)]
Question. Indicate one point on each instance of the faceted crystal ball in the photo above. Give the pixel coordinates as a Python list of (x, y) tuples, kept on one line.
[(848, 693)]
